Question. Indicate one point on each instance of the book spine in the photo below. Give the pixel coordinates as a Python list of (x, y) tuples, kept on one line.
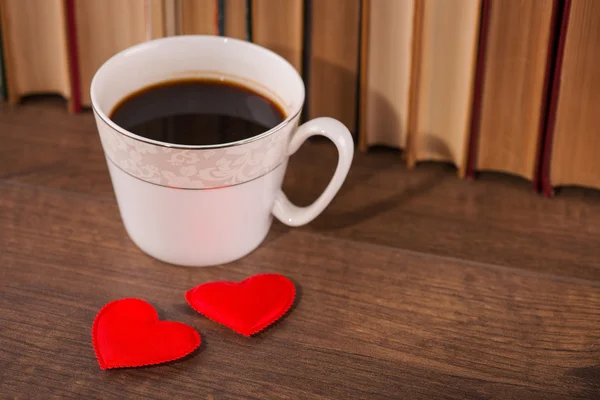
[(8, 81), (546, 157), (249, 20), (148, 19), (478, 89), (464, 162), (306, 54), (358, 73), (75, 103), (415, 83), (549, 78), (2, 76), (172, 18), (365, 7), (220, 17)]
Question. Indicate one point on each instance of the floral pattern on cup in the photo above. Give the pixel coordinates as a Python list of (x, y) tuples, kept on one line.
[(195, 168)]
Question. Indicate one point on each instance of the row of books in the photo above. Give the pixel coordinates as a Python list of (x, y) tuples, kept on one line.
[(505, 85)]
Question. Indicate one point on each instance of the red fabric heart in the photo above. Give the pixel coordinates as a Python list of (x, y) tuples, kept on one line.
[(127, 333), (248, 306)]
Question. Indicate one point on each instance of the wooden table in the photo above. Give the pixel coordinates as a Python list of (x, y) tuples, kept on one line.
[(412, 284)]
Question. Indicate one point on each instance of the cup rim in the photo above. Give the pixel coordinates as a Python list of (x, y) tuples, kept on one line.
[(224, 39)]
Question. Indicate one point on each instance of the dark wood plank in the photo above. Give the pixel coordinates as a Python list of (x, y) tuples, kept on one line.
[(372, 321), (496, 219)]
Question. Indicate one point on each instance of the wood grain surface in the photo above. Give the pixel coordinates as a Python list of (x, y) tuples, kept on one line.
[(413, 284)]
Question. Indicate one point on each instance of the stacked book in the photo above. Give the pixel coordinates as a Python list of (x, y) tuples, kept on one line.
[(507, 86)]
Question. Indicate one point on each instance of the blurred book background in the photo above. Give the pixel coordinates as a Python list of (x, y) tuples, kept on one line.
[(485, 85)]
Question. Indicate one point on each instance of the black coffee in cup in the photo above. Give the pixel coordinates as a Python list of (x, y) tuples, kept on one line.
[(197, 112)]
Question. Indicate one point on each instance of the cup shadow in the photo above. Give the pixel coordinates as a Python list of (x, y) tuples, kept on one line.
[(304, 190)]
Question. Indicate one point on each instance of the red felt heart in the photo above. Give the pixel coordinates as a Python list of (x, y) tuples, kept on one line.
[(127, 333), (248, 306)]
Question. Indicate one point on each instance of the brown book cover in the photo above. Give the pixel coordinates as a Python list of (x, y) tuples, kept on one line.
[(333, 60), (103, 29), (236, 19), (199, 17), (572, 141), (386, 57), (278, 26), (172, 17), (155, 19), (442, 74), (37, 60), (512, 86)]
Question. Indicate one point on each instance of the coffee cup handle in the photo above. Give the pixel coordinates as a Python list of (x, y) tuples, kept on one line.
[(292, 215)]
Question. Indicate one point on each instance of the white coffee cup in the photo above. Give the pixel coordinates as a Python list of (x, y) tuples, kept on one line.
[(201, 205)]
